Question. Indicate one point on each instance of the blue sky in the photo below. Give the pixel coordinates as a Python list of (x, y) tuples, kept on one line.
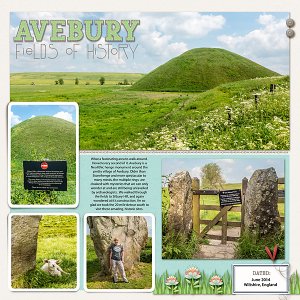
[(233, 170), (162, 36), (20, 113)]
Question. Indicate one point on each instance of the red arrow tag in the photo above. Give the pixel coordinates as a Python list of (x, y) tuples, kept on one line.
[(270, 254)]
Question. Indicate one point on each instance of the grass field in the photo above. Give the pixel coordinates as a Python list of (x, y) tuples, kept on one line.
[(114, 117), (139, 278), (38, 139), (57, 239)]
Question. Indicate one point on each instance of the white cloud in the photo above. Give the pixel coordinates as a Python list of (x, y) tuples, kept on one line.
[(267, 45), (14, 119), (191, 24), (33, 116), (249, 169), (64, 115), (196, 172), (227, 161)]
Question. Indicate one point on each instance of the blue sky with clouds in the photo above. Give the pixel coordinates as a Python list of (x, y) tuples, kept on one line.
[(233, 170), (162, 36), (20, 113)]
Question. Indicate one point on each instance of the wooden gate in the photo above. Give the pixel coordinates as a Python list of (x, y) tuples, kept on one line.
[(221, 218)]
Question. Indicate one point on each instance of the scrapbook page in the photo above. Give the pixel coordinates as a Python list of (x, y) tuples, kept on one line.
[(151, 152)]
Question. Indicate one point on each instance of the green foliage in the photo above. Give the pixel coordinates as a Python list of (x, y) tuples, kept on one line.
[(102, 80), (43, 138), (179, 246), (76, 81), (139, 278), (57, 239), (61, 81), (199, 70), (184, 287), (165, 209), (150, 120), (146, 253), (261, 127), (295, 284), (52, 226), (211, 176), (175, 245), (252, 246)]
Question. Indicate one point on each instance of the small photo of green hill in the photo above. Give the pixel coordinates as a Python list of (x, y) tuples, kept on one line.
[(40, 132)]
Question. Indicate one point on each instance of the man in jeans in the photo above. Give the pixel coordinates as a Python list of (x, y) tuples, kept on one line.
[(116, 255)]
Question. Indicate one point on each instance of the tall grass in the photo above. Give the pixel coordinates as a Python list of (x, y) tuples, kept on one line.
[(184, 287), (264, 126), (252, 246), (295, 284)]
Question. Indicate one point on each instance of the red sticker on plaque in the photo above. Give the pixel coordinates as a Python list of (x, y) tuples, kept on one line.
[(44, 165)]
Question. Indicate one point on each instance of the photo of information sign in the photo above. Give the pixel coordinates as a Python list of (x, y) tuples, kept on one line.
[(45, 175)]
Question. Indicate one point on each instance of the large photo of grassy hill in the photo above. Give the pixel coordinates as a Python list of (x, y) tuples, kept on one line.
[(207, 94)]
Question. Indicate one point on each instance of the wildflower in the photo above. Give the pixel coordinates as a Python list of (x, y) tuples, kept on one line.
[(171, 281), (216, 281), (192, 273)]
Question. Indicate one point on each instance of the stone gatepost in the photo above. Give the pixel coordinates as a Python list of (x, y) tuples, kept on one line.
[(24, 235), (180, 211), (261, 203)]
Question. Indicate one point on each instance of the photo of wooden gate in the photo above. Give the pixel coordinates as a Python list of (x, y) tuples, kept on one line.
[(221, 219)]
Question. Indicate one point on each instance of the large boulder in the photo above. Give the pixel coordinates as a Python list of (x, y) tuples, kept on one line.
[(132, 233), (24, 234), (261, 203), (180, 210)]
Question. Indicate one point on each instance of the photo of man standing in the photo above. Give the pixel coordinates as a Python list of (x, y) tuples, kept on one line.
[(116, 255)]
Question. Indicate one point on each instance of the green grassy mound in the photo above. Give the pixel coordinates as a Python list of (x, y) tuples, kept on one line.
[(42, 138), (201, 69)]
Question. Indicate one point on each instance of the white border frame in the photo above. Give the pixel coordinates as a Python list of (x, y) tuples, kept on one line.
[(77, 248), (287, 292), (9, 155), (153, 254)]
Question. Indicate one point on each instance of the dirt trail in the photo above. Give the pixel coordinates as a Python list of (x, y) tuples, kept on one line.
[(216, 250)]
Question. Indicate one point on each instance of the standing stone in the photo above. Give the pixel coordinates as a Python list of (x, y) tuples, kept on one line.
[(261, 202), (132, 233), (180, 210), (24, 234)]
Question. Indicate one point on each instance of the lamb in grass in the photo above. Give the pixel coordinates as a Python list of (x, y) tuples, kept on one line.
[(51, 266)]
